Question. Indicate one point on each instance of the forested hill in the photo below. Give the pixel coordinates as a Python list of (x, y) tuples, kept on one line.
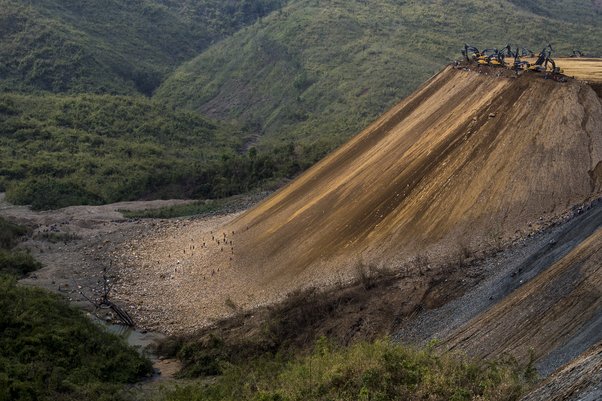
[(328, 67), (111, 46), (283, 82)]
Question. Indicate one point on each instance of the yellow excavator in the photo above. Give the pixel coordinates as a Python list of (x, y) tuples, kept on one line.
[(471, 53), (544, 62), (498, 57), (518, 64), (491, 56)]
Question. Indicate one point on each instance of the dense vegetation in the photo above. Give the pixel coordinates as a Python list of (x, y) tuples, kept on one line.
[(110, 46), (51, 351), (89, 149), (86, 149), (294, 78), (325, 69), (379, 371), (15, 262)]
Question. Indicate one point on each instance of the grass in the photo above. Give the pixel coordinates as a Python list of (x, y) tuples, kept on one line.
[(202, 208), (17, 262), (381, 370), (14, 262), (11, 233), (56, 237), (191, 209)]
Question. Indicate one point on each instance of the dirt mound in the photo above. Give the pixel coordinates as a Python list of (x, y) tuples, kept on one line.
[(543, 293), (468, 161), (588, 69)]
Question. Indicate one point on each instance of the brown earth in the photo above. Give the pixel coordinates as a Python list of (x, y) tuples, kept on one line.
[(413, 210), (470, 162), (70, 241), (587, 69), (465, 162), (418, 304)]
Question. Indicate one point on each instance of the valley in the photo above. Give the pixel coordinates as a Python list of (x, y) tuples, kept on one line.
[(288, 200)]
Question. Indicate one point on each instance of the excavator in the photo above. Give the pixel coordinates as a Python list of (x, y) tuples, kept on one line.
[(544, 60), (487, 56), (494, 57), (471, 53), (497, 58), (518, 64)]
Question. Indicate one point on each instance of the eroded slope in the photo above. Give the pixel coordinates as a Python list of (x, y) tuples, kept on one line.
[(467, 162)]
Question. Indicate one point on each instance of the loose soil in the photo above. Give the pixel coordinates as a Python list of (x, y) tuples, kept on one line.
[(473, 161), (454, 192), (580, 380)]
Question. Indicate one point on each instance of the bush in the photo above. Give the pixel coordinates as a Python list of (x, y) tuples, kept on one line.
[(17, 262), (51, 351), (10, 233), (57, 151), (381, 370)]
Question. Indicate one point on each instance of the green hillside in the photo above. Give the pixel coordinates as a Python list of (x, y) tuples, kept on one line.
[(292, 79), (63, 150), (325, 69), (110, 46), (577, 11)]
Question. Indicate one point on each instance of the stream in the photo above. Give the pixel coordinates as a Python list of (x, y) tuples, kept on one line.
[(163, 368)]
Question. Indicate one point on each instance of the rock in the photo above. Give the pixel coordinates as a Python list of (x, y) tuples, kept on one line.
[(491, 115)]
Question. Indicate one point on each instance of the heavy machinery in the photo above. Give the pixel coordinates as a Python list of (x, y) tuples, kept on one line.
[(524, 52), (544, 62), (518, 64), (497, 58), (487, 55), (470, 52)]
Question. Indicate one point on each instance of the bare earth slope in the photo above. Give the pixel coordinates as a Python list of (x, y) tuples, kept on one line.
[(557, 314), (471, 161), (580, 380), (467, 161)]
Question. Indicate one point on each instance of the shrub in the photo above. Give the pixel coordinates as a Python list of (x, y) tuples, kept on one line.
[(51, 351), (381, 370), (17, 262)]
